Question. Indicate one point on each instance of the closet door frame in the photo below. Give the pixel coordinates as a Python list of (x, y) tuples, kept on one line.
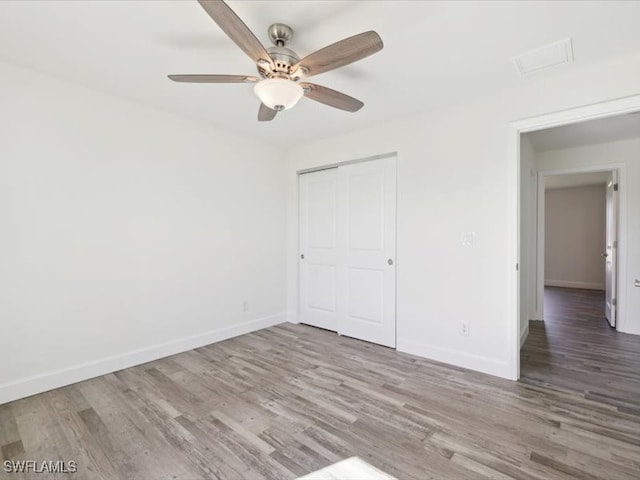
[(299, 271)]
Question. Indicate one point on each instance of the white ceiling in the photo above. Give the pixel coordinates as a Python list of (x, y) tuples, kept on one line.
[(435, 52), (603, 130), (575, 180)]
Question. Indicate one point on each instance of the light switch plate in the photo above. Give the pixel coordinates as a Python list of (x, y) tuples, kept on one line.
[(468, 239)]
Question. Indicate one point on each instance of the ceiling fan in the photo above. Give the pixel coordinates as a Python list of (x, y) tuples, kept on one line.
[(279, 87)]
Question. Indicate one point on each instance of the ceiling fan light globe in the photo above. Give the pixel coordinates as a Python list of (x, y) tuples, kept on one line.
[(278, 93)]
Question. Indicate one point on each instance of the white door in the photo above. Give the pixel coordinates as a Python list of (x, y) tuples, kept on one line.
[(319, 248), (367, 216), (611, 245), (347, 250)]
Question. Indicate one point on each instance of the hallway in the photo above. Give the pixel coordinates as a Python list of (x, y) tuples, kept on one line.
[(575, 349)]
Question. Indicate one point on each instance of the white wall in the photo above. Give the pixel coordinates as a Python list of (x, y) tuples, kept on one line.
[(574, 237), (528, 211), (627, 154), (127, 233), (455, 175)]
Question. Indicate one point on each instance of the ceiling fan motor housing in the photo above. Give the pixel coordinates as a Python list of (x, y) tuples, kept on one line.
[(283, 58)]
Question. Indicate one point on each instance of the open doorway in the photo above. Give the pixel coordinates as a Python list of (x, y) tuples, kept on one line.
[(524, 302), (572, 237), (580, 229), (583, 168)]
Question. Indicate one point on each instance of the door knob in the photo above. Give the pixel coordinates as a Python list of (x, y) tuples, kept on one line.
[(390, 261), (605, 254), (302, 256), (636, 283)]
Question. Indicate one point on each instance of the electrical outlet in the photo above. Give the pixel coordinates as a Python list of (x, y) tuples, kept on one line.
[(245, 306), (464, 329)]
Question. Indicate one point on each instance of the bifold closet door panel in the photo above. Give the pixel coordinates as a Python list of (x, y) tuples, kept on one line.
[(367, 250), (319, 248)]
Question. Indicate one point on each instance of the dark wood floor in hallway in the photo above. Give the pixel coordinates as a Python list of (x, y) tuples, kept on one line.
[(575, 348), (291, 399)]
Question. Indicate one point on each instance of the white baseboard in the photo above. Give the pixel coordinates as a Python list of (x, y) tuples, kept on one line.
[(536, 316), (59, 378), (570, 284), (634, 330), (455, 357), (292, 318), (523, 335)]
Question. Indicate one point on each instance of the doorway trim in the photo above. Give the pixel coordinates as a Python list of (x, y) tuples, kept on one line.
[(515, 129), (620, 168)]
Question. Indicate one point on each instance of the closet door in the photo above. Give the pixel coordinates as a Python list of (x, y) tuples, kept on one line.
[(319, 248), (367, 271)]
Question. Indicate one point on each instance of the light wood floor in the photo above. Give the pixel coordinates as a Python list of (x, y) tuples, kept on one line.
[(291, 399)]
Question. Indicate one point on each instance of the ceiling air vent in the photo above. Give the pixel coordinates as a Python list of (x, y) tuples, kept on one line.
[(538, 59)]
